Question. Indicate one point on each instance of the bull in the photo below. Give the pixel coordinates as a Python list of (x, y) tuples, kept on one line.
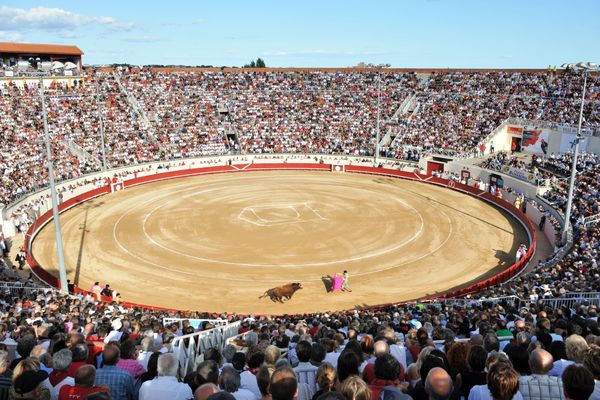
[(279, 293)]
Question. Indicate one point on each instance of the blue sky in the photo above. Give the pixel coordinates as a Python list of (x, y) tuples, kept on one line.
[(326, 33)]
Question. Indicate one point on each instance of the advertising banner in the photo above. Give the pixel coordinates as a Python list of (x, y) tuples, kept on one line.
[(514, 130), (535, 141), (520, 174)]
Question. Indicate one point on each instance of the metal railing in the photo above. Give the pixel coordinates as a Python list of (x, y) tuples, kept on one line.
[(567, 300), (439, 344), (570, 300), (473, 302), (17, 290), (190, 348), (194, 322), (592, 219)]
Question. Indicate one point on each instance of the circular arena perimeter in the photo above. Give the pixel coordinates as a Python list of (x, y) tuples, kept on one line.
[(218, 242)]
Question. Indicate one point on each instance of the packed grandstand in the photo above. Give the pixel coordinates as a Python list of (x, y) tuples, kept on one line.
[(527, 332)]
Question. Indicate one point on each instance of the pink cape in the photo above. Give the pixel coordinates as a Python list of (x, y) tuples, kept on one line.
[(337, 282)]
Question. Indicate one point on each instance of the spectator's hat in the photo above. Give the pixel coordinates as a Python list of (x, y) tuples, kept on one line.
[(29, 380), (117, 324)]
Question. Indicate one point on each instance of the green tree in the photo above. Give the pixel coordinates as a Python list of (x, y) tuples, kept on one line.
[(259, 63)]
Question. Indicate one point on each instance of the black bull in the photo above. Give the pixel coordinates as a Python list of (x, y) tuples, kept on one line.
[(282, 292)]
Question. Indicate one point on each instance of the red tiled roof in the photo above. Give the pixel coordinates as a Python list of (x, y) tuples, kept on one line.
[(31, 48)]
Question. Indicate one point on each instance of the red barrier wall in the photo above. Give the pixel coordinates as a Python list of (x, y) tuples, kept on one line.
[(74, 201)]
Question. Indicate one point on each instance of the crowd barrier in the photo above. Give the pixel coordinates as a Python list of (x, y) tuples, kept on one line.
[(196, 323), (190, 348), (502, 277)]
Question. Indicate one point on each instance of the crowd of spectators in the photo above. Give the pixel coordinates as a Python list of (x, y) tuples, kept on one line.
[(578, 271), (67, 347), (456, 109), (309, 112), (150, 115), (530, 165)]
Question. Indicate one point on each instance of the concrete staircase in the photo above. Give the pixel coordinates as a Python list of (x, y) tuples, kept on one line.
[(80, 152)]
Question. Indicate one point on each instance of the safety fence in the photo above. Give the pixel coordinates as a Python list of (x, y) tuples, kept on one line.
[(469, 302), (17, 290), (237, 339), (194, 322), (190, 348), (570, 300), (439, 344)]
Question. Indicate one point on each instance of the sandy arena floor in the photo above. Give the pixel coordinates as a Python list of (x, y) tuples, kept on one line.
[(218, 242)]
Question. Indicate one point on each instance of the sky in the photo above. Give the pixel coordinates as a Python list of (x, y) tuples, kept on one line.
[(325, 33)]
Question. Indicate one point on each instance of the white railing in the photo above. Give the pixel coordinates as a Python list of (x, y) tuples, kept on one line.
[(16, 290), (194, 322), (234, 340), (439, 344), (80, 152), (591, 219), (568, 299), (190, 348), (475, 302), (572, 299)]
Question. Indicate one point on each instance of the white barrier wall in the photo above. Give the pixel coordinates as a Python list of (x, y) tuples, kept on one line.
[(476, 172)]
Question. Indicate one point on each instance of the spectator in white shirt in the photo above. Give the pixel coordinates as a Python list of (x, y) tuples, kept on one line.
[(59, 376), (165, 385), (146, 352), (254, 359), (575, 347), (539, 385), (332, 356), (502, 381), (305, 371), (230, 383)]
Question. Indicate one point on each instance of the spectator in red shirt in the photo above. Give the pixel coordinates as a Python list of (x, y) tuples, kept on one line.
[(84, 385), (80, 355), (387, 372)]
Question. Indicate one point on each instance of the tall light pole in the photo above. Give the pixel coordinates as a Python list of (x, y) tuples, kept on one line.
[(378, 115), (585, 67), (101, 119), (57, 228)]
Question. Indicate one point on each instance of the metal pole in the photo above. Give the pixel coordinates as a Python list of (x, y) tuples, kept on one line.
[(101, 131), (378, 114), (574, 165), (57, 229)]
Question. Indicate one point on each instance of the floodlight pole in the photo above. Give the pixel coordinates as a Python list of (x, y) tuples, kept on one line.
[(378, 115), (101, 131), (64, 288), (574, 165)]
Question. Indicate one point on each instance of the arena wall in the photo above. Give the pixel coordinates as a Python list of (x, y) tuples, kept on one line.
[(505, 275), (77, 186)]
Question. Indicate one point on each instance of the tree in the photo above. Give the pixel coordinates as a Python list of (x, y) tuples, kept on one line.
[(370, 65), (259, 63)]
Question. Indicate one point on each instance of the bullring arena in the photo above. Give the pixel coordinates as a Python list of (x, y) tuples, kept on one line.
[(218, 241)]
